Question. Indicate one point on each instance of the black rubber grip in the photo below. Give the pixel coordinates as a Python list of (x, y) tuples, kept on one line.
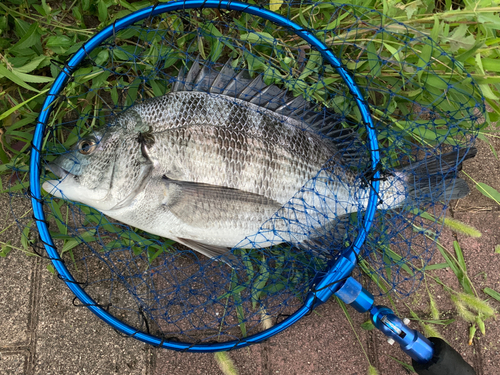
[(445, 361)]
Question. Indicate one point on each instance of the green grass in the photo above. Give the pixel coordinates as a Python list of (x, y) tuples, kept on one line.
[(32, 33)]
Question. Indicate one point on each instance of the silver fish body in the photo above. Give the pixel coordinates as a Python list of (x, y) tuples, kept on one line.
[(210, 170)]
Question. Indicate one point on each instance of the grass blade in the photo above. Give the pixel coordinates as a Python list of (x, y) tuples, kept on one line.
[(492, 293)]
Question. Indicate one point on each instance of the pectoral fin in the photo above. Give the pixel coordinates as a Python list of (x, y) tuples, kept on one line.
[(215, 209), (205, 205)]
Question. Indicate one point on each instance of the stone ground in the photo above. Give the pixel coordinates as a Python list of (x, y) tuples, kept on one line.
[(42, 332)]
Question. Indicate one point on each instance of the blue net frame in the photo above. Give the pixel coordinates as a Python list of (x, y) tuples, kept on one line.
[(215, 307)]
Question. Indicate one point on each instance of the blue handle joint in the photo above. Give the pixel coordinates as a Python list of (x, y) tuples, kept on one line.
[(327, 284), (411, 341)]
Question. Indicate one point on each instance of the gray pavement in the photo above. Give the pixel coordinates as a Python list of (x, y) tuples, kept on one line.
[(42, 332)]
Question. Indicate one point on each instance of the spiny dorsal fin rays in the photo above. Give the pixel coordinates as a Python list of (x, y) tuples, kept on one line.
[(205, 78), (189, 84), (293, 105), (270, 97), (179, 83), (228, 82), (237, 84), (223, 78)]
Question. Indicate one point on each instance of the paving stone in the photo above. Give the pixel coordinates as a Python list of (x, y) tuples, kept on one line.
[(321, 343), (170, 362), (12, 363), (248, 361), (15, 287), (15, 278), (71, 340)]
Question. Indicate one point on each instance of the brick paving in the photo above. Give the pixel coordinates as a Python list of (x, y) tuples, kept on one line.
[(42, 332)]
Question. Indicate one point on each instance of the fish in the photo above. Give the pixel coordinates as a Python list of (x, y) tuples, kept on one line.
[(225, 160)]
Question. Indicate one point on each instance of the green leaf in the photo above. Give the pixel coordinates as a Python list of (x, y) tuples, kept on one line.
[(152, 254), (32, 64), (487, 91), (313, 63), (436, 28), (398, 260), (32, 78), (85, 5), (25, 242), (240, 312), (438, 266), (4, 158), (451, 263), (18, 81), (77, 14), (260, 282), (59, 44), (51, 269), (102, 11), (6, 249), (258, 36), (368, 325), (459, 39), (29, 39), (236, 290), (248, 264), (394, 52), (492, 65), (491, 20), (492, 293), (74, 242), (373, 59), (102, 57), (467, 54), (488, 191), (424, 59), (480, 324), (409, 368), (46, 7), (13, 109), (21, 26), (216, 41), (61, 225), (74, 47), (3, 23), (460, 255)]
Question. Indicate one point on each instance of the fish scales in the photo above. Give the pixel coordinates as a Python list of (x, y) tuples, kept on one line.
[(211, 170), (233, 145)]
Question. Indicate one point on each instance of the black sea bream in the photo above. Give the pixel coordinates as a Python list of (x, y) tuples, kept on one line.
[(209, 163)]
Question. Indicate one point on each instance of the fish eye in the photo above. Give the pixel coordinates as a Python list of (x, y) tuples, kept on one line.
[(87, 146)]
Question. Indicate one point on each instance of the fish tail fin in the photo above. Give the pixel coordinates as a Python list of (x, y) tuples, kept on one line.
[(437, 176)]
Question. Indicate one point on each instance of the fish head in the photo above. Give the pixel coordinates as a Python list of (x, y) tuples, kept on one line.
[(104, 170)]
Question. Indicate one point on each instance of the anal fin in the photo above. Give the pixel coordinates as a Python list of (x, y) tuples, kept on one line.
[(211, 251)]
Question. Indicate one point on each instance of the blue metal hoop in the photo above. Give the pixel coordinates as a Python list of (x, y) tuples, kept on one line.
[(325, 287)]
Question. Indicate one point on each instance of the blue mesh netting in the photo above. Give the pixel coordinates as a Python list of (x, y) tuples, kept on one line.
[(425, 109)]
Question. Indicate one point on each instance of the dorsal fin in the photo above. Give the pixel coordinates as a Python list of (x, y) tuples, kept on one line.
[(227, 81)]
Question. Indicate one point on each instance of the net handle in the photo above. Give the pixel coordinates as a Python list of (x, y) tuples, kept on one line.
[(328, 284)]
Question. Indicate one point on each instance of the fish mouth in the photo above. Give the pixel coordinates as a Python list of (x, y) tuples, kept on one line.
[(57, 170)]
